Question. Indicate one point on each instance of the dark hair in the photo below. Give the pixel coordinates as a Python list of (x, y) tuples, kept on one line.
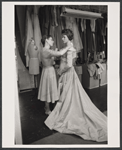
[(68, 33), (44, 38)]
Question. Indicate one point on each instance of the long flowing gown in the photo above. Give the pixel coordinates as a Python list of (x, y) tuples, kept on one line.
[(75, 113)]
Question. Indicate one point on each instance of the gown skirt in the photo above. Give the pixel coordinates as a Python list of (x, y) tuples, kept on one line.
[(75, 113)]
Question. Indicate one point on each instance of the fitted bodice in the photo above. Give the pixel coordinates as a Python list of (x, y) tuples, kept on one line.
[(69, 56), (67, 60), (46, 58)]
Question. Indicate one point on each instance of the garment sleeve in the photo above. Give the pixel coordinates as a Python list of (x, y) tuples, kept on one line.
[(58, 53), (69, 58)]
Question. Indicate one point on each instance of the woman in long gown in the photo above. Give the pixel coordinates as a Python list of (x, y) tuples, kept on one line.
[(48, 83), (75, 113)]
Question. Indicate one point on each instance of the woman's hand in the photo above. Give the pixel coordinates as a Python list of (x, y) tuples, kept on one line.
[(56, 66), (59, 72), (56, 49)]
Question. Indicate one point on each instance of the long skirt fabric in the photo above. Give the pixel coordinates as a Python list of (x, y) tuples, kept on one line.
[(48, 85), (75, 113)]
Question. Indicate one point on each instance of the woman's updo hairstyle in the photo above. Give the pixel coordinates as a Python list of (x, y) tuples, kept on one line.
[(44, 39), (68, 33)]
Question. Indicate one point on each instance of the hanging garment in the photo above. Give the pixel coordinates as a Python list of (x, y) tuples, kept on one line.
[(75, 113), (83, 26), (37, 32), (33, 54), (44, 19), (81, 36), (104, 33), (52, 25), (32, 19), (25, 80), (46, 25), (21, 15), (71, 24), (29, 35), (63, 22), (55, 15), (106, 44), (41, 19), (99, 37), (92, 24), (58, 30), (88, 36)]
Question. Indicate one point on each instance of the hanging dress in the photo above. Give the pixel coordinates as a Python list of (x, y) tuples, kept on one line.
[(52, 25), (58, 30), (92, 24), (75, 113), (37, 31), (25, 80), (29, 35)]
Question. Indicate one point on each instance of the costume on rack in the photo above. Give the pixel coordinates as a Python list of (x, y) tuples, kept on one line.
[(83, 27), (29, 34), (58, 29), (33, 54), (52, 25), (88, 36), (99, 37), (37, 31), (75, 113)]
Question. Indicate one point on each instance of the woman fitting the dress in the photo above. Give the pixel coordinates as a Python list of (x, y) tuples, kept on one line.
[(48, 83), (75, 113)]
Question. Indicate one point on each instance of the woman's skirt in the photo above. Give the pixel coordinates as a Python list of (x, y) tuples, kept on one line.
[(48, 85)]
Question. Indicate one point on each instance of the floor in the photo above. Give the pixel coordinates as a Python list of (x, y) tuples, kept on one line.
[(33, 116)]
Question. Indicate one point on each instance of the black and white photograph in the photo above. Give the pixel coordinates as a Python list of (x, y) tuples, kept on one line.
[(62, 68)]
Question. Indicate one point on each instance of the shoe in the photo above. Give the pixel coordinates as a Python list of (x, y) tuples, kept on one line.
[(47, 112)]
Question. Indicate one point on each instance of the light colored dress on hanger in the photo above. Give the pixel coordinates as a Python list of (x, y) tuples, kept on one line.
[(37, 31), (75, 113), (29, 34)]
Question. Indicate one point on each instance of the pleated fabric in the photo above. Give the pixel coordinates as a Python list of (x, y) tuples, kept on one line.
[(48, 85)]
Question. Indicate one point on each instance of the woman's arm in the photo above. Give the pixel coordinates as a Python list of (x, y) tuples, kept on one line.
[(59, 53)]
